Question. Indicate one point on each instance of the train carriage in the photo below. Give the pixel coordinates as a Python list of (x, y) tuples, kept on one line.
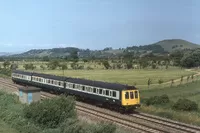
[(49, 82), (21, 77), (114, 95)]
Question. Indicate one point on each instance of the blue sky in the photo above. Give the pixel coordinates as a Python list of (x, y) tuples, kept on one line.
[(95, 24)]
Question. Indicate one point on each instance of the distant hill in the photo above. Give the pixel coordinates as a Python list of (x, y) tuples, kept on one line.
[(160, 48), (174, 44), (5, 54)]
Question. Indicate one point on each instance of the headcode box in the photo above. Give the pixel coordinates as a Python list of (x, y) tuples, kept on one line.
[(29, 94)]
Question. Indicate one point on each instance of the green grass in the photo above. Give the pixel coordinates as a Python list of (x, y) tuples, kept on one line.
[(130, 77), (189, 91), (5, 128)]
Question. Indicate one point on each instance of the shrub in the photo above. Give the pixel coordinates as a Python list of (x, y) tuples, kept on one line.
[(6, 72), (160, 81), (106, 64), (157, 100), (51, 112), (102, 127), (90, 68), (185, 105)]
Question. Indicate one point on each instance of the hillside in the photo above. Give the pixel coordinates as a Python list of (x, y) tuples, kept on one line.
[(174, 44), (161, 47)]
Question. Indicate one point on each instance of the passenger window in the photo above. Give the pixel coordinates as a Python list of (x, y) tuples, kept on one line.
[(104, 92), (126, 95), (131, 95), (110, 93), (83, 88), (77, 86), (136, 94), (100, 91), (94, 90), (107, 92), (114, 94)]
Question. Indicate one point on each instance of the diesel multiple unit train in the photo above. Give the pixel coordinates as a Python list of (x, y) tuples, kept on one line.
[(117, 96)]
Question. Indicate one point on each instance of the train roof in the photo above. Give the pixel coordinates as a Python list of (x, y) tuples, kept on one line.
[(22, 72), (49, 76), (101, 84)]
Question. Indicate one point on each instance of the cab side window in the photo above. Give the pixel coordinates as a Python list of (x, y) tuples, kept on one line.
[(136, 94), (126, 95)]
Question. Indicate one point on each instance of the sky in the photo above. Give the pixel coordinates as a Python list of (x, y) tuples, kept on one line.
[(95, 24)]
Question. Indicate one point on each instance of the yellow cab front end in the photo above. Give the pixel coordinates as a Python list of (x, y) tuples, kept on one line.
[(130, 99)]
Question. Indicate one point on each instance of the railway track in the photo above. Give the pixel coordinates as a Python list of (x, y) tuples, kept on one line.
[(138, 122)]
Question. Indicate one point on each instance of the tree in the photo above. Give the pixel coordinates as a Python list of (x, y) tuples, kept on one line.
[(106, 64), (181, 79), (45, 58), (191, 59), (13, 66), (153, 66), (129, 64), (176, 56), (42, 67), (167, 66), (188, 77), (192, 77), (63, 67), (6, 64), (160, 81), (143, 63), (29, 66), (53, 64), (74, 55), (149, 82)]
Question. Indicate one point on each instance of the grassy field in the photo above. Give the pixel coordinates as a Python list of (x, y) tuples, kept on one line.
[(131, 77), (189, 91)]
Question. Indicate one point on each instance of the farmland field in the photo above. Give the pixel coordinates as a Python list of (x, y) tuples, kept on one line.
[(131, 77)]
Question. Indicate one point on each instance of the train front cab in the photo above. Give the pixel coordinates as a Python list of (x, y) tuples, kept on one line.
[(130, 99)]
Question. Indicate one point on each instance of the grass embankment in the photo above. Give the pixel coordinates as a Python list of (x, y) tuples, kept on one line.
[(55, 115), (187, 91)]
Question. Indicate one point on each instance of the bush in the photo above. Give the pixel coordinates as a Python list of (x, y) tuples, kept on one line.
[(185, 105), (90, 68), (160, 81), (157, 100), (52, 112), (11, 113), (6, 72), (102, 127), (55, 115)]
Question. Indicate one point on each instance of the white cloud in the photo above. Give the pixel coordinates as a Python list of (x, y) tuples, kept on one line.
[(7, 45)]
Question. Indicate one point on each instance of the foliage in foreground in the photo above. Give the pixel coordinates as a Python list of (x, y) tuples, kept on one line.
[(49, 116), (51, 113), (4, 71)]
